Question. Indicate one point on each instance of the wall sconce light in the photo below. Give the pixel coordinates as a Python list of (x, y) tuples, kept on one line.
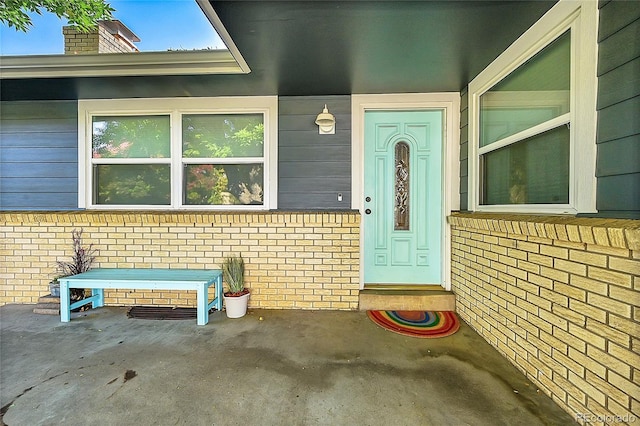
[(326, 122)]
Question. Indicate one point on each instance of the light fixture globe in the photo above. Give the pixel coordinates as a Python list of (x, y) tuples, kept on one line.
[(326, 122)]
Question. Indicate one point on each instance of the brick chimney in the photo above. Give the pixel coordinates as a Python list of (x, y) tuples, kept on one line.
[(108, 37)]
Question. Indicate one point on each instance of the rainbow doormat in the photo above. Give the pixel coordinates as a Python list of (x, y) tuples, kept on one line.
[(423, 324)]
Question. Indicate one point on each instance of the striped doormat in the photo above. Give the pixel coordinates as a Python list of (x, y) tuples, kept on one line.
[(422, 324)]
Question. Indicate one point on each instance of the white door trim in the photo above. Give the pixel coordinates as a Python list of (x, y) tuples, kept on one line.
[(449, 102)]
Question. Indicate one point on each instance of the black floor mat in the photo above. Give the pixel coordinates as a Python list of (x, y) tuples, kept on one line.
[(162, 313)]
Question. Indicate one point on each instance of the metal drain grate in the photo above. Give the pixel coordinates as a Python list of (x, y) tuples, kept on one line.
[(162, 313)]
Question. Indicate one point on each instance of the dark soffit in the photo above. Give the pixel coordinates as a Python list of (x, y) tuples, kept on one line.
[(304, 48), (329, 47)]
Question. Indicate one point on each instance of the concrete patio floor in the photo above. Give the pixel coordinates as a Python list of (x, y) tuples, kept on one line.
[(268, 368)]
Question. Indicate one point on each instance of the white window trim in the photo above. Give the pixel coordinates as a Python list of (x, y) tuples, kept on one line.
[(267, 105), (582, 17)]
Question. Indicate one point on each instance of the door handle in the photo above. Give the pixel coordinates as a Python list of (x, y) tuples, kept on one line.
[(368, 211)]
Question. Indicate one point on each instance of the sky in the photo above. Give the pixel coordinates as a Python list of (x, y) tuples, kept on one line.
[(160, 24)]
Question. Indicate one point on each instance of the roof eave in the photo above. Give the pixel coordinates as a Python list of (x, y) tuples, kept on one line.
[(224, 34), (131, 64)]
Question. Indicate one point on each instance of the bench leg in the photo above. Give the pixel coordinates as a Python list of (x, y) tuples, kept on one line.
[(65, 310), (203, 303), (99, 301), (219, 292)]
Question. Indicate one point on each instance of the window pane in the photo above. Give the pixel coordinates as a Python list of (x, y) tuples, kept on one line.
[(223, 184), (534, 93), (533, 171), (401, 199), (131, 137), (128, 184), (222, 136)]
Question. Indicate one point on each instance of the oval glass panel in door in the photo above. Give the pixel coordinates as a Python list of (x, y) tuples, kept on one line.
[(401, 198)]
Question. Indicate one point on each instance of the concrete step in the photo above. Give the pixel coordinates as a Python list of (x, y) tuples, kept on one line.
[(47, 305), (406, 298), (43, 311), (49, 299)]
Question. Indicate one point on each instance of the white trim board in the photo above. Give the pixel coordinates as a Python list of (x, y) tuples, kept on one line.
[(449, 102)]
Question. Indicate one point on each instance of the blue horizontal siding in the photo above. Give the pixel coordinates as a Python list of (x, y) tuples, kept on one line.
[(39, 155), (618, 160), (39, 165), (38, 201), (620, 156), (31, 155), (313, 169)]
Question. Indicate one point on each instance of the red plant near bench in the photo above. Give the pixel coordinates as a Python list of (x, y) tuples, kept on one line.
[(82, 260)]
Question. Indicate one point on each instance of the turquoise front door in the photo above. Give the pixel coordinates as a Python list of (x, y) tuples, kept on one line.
[(403, 215)]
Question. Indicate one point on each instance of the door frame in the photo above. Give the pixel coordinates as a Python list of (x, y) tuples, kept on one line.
[(449, 102)]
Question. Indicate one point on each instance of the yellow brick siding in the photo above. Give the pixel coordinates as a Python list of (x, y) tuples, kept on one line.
[(293, 260), (559, 297)]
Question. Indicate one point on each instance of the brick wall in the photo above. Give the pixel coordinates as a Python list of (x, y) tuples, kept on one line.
[(99, 40), (109, 43), (560, 298), (293, 260), (76, 43)]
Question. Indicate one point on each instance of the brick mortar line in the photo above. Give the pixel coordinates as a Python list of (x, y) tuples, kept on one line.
[(563, 396), (184, 218), (467, 236)]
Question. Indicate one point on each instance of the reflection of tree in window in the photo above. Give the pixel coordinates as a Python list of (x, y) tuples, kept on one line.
[(135, 137), (131, 137), (217, 136), (222, 157), (222, 136), (204, 185), (223, 184), (133, 184)]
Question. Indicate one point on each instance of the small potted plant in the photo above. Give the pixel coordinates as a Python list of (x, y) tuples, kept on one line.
[(237, 298), (54, 287), (82, 261)]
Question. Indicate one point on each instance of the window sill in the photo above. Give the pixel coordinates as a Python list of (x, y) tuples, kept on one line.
[(530, 209)]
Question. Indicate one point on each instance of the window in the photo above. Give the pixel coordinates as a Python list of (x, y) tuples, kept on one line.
[(532, 119), (131, 160), (524, 145), (201, 153), (401, 206)]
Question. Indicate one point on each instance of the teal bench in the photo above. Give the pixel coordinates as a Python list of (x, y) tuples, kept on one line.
[(142, 279)]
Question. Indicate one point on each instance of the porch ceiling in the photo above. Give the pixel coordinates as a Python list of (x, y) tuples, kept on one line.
[(342, 47), (303, 48)]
